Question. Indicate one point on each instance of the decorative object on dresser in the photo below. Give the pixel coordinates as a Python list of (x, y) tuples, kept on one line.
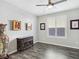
[(24, 43)]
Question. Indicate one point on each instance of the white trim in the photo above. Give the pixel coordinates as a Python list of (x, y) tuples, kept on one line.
[(16, 50), (35, 42), (12, 52), (60, 45)]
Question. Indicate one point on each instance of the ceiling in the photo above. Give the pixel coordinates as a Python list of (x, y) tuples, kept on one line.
[(29, 6)]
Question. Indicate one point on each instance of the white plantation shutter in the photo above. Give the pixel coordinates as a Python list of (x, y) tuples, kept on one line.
[(61, 25), (51, 22), (61, 21), (57, 26), (51, 26)]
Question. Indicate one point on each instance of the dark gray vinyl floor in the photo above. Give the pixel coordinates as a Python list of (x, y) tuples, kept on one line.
[(46, 51)]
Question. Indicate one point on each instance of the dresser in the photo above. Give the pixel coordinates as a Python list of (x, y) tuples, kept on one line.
[(24, 43)]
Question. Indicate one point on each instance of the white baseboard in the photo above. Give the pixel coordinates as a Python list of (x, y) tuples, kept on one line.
[(12, 52), (16, 50), (35, 42), (60, 45)]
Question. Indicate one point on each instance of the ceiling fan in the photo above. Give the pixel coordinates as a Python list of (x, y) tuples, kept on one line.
[(51, 4)]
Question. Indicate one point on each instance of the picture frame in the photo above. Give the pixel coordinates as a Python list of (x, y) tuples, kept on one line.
[(28, 26), (16, 25), (74, 24), (42, 26)]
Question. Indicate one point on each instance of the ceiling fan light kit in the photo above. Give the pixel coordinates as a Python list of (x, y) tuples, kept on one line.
[(50, 4)]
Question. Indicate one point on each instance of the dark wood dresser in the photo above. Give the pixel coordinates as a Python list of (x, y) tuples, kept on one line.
[(24, 43)]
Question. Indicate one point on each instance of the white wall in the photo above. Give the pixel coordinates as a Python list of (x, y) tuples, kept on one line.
[(10, 12), (72, 39)]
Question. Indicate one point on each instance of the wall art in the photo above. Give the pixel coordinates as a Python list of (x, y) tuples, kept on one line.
[(28, 26), (16, 25), (74, 24), (42, 26)]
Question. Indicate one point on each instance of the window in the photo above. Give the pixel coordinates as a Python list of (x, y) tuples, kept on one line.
[(57, 26)]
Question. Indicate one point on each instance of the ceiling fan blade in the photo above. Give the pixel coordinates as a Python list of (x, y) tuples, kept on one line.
[(42, 5), (59, 2)]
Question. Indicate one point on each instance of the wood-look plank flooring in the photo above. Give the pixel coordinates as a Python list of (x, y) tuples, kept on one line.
[(46, 51)]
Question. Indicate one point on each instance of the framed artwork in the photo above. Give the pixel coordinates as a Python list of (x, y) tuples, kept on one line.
[(42, 26), (74, 24), (28, 26), (16, 25)]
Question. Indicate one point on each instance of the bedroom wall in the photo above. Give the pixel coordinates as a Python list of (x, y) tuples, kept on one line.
[(72, 39), (10, 12)]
